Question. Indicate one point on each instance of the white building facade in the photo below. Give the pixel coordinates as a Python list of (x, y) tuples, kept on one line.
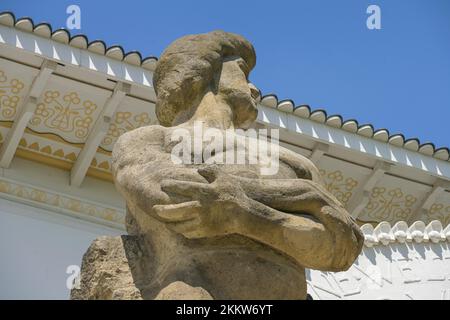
[(64, 101)]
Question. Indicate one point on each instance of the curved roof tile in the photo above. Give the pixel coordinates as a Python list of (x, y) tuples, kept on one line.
[(270, 100), (397, 140), (381, 135), (286, 106), (350, 126), (334, 121), (97, 46), (133, 57), (7, 19), (25, 24), (303, 111), (78, 41), (412, 144), (442, 153), (427, 149), (61, 35), (149, 63), (318, 116), (366, 130), (43, 30)]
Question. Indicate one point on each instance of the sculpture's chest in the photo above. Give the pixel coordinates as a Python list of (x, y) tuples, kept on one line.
[(244, 156)]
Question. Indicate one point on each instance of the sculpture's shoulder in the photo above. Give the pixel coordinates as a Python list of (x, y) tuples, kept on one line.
[(303, 167), (152, 135), (129, 146), (108, 269)]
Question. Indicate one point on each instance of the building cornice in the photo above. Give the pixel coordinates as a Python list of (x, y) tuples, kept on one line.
[(400, 232)]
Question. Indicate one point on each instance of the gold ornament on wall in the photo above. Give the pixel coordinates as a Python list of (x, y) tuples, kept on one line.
[(61, 201), (339, 185), (125, 121), (104, 165), (438, 211), (9, 96), (390, 205), (48, 150), (67, 113)]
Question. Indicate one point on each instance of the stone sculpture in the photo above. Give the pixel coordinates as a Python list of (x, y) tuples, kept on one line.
[(209, 230)]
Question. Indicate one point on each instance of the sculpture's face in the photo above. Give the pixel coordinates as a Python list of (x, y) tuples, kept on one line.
[(236, 91)]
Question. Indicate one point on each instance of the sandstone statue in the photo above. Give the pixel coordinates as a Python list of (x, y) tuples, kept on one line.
[(212, 230)]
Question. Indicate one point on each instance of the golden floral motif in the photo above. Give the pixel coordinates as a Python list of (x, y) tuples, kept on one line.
[(67, 113), (124, 122), (9, 95), (341, 187), (438, 211), (389, 204)]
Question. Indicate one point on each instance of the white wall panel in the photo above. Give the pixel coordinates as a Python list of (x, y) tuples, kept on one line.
[(37, 246), (406, 271)]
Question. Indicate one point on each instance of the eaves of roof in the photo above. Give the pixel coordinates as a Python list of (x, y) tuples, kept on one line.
[(269, 100)]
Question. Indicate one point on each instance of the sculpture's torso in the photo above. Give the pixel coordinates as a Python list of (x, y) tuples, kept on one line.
[(291, 165), (230, 267)]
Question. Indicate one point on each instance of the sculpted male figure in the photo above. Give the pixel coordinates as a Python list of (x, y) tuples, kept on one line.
[(203, 230)]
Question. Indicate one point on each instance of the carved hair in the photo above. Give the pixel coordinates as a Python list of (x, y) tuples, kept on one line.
[(187, 69)]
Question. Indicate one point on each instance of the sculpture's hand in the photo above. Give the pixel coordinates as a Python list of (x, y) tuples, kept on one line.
[(226, 203), (213, 209)]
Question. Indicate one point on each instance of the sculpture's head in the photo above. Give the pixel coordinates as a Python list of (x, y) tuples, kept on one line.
[(217, 62)]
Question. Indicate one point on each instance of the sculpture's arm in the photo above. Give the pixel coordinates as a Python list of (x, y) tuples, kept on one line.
[(315, 227), (302, 166), (139, 163), (294, 216)]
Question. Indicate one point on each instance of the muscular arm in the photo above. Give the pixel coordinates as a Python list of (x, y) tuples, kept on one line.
[(315, 229), (139, 163), (295, 216), (302, 166)]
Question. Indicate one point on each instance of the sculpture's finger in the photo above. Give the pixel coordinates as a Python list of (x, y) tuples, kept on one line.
[(283, 188), (178, 212), (186, 188), (190, 229)]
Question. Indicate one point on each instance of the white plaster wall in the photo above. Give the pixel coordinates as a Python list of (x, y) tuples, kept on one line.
[(37, 246), (407, 271)]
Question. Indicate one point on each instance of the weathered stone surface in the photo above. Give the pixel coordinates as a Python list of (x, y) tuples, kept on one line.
[(224, 228), (181, 291), (107, 269)]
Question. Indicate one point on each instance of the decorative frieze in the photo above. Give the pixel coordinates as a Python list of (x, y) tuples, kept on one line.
[(61, 202), (339, 185), (10, 90)]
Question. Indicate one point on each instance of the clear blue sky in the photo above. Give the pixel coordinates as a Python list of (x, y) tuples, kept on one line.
[(314, 52)]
